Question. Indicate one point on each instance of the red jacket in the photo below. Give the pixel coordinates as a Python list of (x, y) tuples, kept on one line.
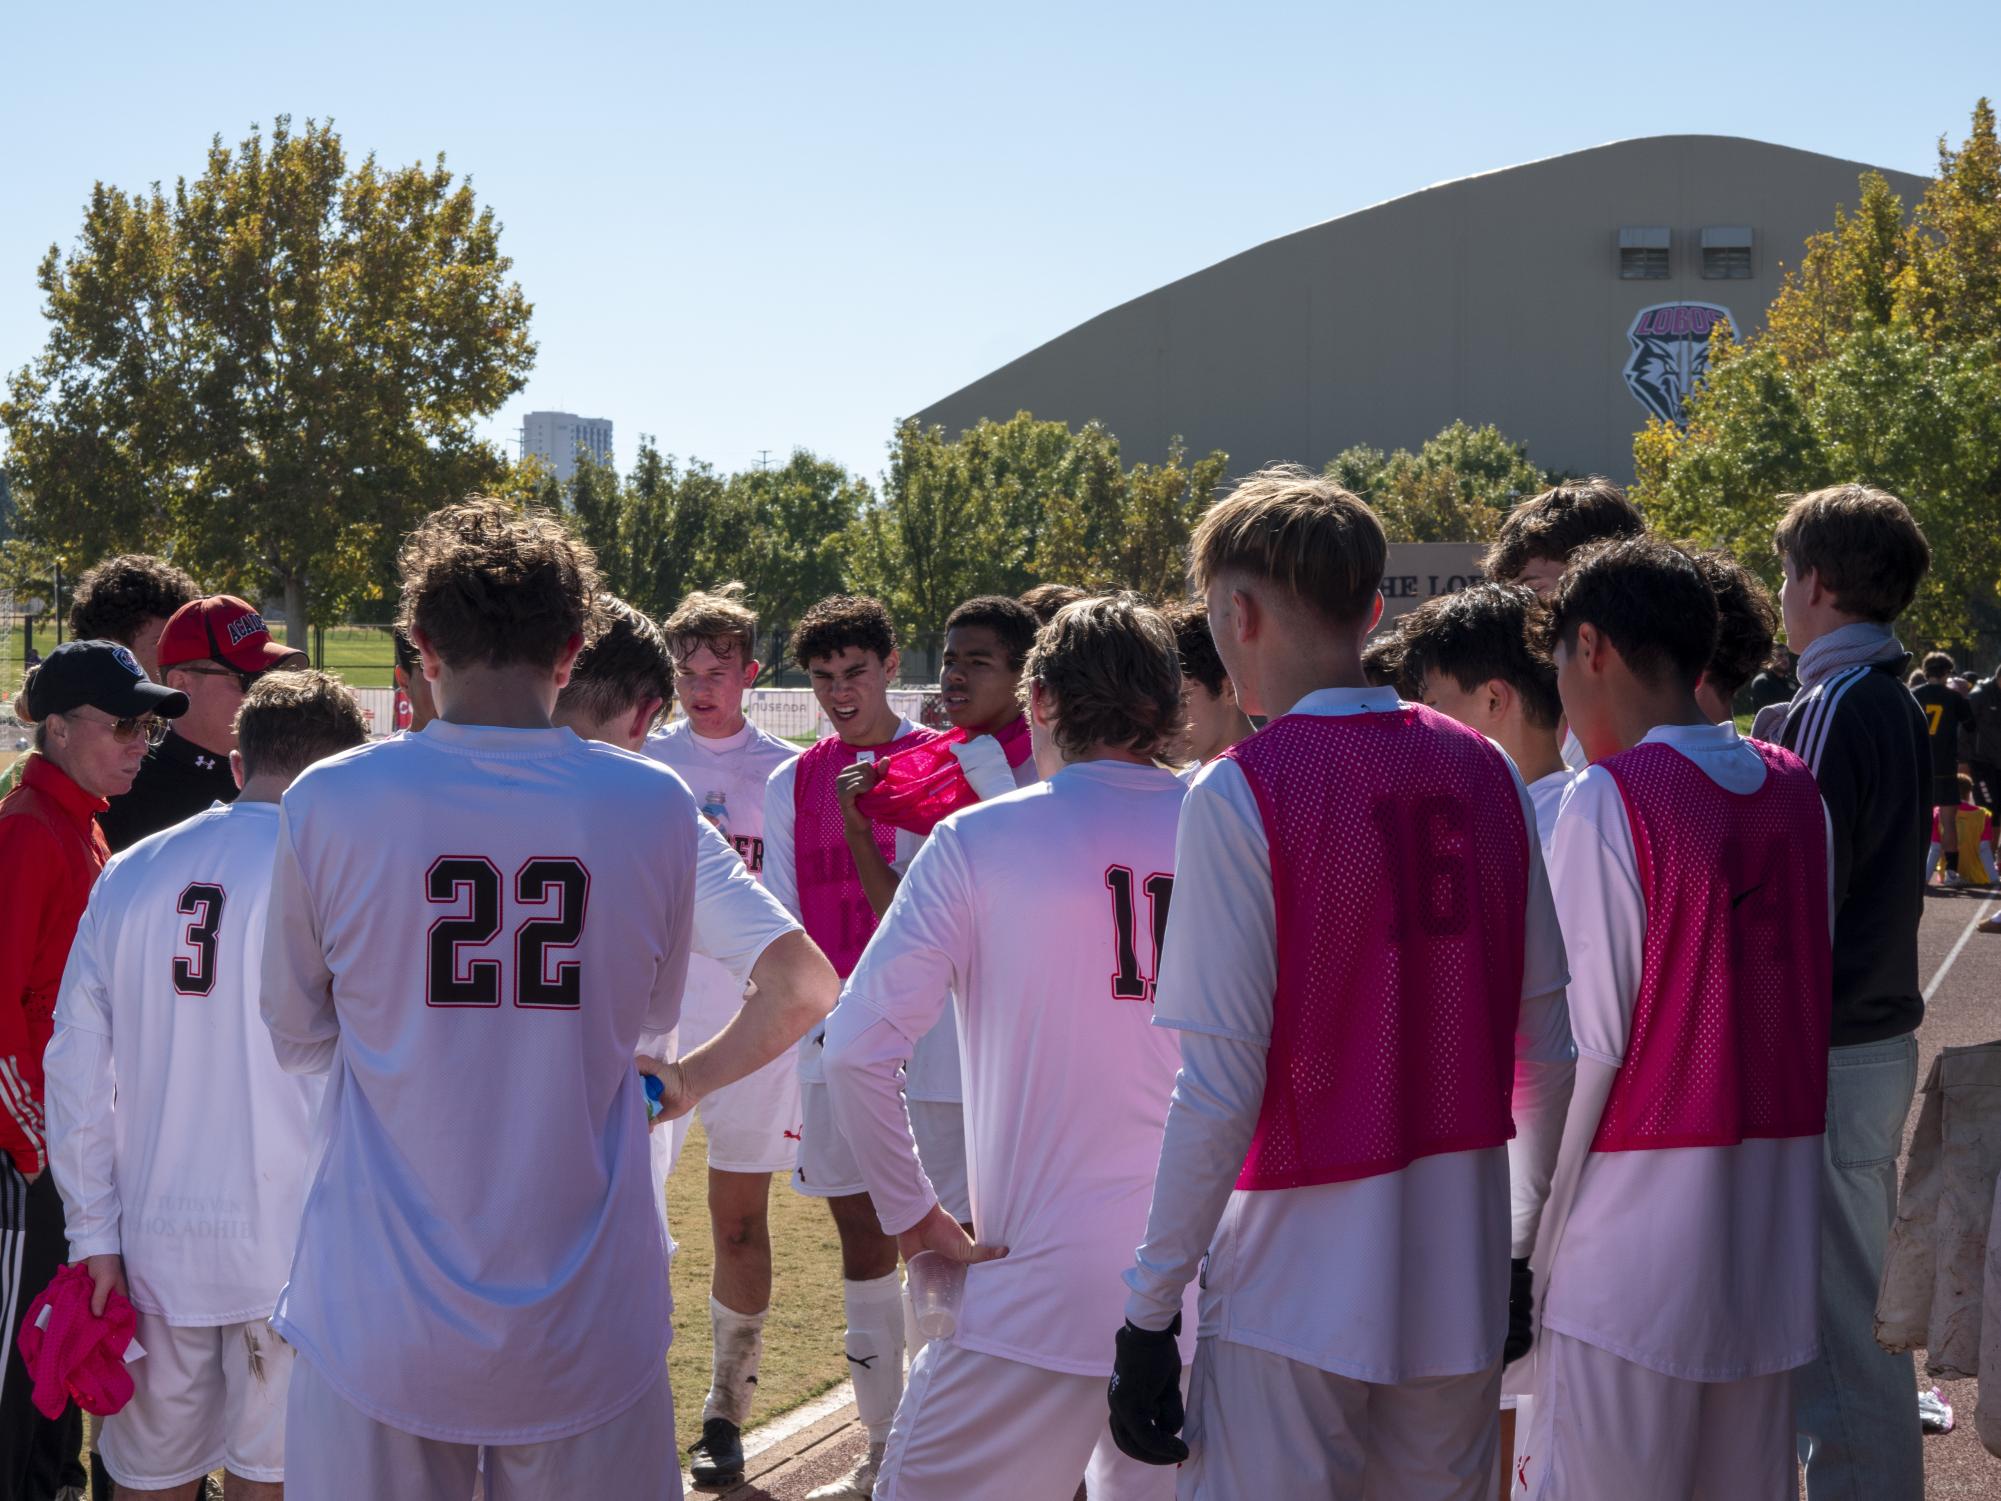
[(50, 853)]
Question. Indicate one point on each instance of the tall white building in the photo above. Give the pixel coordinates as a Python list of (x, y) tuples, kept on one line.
[(558, 437)]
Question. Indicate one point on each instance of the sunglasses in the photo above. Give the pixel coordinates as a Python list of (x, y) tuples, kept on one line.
[(133, 725), (244, 680)]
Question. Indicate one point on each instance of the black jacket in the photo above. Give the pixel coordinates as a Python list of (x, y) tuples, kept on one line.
[(1864, 737), (177, 780), (1982, 743)]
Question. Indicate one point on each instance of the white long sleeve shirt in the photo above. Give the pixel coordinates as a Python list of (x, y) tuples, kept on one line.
[(1037, 912), (176, 1140), (1697, 1262), (1384, 1279)]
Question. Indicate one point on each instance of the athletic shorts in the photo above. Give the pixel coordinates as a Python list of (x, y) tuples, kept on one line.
[(1604, 1426), (825, 1167), (978, 1427), (203, 1398), (339, 1453), (753, 1124)]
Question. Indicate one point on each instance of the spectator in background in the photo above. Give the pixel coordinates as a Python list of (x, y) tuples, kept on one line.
[(1746, 623), (412, 684), (127, 600), (1980, 744), (1044, 600), (1776, 684), (212, 651), (94, 711), (1947, 716), (1853, 559)]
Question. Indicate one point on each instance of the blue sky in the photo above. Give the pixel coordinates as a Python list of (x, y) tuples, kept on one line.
[(756, 226)]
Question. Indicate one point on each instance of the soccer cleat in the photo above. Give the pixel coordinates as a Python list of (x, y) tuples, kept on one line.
[(857, 1485), (717, 1456), (1934, 1412)]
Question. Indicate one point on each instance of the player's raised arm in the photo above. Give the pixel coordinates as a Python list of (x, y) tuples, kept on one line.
[(296, 997)]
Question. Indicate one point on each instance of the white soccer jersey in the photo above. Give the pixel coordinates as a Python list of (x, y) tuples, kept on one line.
[(1042, 913), (472, 926), (727, 778), (1546, 795), (176, 1139)]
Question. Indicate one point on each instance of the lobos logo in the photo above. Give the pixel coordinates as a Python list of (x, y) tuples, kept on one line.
[(1671, 353)]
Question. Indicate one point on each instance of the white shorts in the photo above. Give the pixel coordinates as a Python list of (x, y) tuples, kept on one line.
[(203, 1398), (973, 1426), (1250, 1411), (1604, 1426), (339, 1453), (940, 1129), (753, 1124)]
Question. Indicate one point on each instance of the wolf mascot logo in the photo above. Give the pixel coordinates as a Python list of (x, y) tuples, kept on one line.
[(1670, 353)]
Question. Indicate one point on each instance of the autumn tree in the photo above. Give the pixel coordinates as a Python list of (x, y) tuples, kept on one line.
[(270, 371), (1455, 488)]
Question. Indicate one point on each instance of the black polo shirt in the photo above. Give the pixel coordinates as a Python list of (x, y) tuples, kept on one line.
[(177, 780)]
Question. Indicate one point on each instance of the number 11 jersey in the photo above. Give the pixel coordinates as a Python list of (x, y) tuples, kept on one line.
[(472, 926)]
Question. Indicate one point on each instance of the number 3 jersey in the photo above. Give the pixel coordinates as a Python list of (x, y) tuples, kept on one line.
[(174, 1136), (472, 926)]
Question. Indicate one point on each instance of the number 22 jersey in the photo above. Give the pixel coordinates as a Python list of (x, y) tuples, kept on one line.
[(472, 926)]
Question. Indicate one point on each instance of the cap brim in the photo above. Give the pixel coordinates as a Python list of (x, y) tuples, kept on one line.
[(278, 658), (145, 697)]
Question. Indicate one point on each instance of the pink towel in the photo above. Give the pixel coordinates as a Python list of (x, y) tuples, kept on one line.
[(78, 1355), (921, 786)]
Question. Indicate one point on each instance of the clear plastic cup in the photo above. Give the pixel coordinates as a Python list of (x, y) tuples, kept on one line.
[(937, 1287)]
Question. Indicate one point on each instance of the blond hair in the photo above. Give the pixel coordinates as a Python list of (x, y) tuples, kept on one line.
[(1300, 532), (716, 618), (291, 719)]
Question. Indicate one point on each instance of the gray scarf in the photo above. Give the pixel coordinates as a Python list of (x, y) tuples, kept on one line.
[(1855, 645)]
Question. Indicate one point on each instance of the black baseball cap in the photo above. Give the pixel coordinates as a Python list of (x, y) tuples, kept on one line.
[(103, 675)]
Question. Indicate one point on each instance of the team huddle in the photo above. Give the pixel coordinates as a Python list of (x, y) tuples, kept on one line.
[(1300, 1042)]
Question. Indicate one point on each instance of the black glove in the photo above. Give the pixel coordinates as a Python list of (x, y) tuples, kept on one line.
[(1145, 1394), (1521, 1311)]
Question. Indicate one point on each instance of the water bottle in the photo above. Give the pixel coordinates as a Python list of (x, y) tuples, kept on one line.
[(716, 809)]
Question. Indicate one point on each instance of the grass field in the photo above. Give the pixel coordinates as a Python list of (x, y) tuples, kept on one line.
[(363, 655)]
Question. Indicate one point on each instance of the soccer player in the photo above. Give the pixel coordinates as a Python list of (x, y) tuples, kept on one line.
[(1058, 1052), (212, 650), (1975, 863), (1946, 713), (471, 927), (1359, 875), (1853, 558), (1212, 719), (753, 1125), (1698, 865), (1747, 623), (411, 682), (847, 648), (179, 1145), (1477, 656), (1538, 538)]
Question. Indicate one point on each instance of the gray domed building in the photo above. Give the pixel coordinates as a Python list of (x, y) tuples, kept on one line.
[(1563, 300)]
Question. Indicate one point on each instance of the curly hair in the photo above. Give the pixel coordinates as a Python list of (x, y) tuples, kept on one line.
[(1481, 634), (1747, 622), (1554, 524), (485, 583), (625, 665), (1648, 599), (114, 598), (290, 719), (839, 622), (1112, 673)]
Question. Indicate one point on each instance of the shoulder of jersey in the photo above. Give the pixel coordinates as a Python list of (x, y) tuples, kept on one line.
[(201, 827), (1007, 804)]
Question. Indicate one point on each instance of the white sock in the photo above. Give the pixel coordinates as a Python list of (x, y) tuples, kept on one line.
[(739, 1344), (875, 1350)]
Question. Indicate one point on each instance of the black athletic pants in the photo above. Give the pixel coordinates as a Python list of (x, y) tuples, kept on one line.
[(37, 1457)]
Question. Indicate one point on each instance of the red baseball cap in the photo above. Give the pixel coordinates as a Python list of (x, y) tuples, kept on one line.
[(222, 628)]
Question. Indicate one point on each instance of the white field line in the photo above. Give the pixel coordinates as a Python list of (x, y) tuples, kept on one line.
[(797, 1421), (1938, 978)]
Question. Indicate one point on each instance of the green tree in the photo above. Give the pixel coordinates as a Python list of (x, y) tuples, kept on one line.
[(1455, 488), (1880, 362), (272, 371), (799, 515)]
